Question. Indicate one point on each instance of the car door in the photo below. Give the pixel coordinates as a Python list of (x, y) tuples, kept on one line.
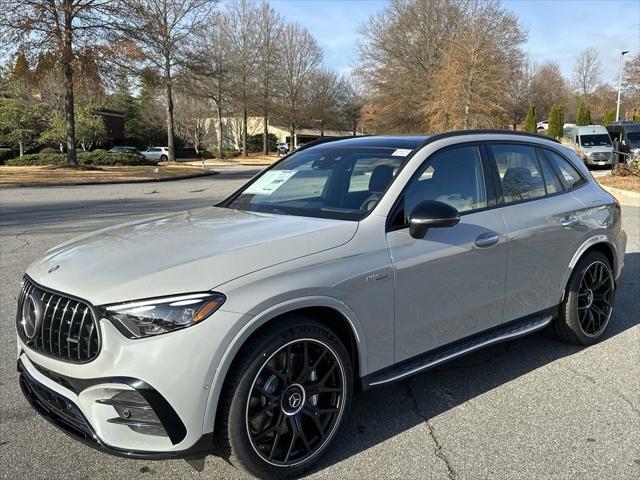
[(451, 283), (542, 221)]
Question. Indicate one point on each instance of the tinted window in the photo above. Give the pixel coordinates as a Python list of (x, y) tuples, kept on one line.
[(600, 140), (325, 182), (453, 176), (568, 172), (634, 139), (551, 181), (519, 172)]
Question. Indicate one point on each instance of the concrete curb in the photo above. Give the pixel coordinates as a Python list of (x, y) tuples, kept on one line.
[(626, 197), (115, 182)]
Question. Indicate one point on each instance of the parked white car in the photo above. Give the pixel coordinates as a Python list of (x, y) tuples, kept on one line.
[(159, 154)]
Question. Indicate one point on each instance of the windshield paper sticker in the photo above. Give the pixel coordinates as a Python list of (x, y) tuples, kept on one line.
[(401, 152), (269, 182)]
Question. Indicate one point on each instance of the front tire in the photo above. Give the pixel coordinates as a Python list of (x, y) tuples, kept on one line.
[(588, 302), (284, 399)]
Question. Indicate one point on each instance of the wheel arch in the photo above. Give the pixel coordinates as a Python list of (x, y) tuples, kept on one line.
[(333, 313), (598, 243)]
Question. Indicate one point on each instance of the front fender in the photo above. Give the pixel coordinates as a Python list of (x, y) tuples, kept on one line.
[(253, 323)]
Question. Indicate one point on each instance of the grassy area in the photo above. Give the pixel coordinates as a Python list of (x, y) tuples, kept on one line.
[(252, 159), (629, 182), (54, 175)]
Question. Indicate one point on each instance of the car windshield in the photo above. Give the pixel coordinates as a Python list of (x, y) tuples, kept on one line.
[(634, 139), (600, 140), (341, 183)]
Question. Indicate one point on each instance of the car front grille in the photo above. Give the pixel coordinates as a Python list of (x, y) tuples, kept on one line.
[(57, 325), (601, 157)]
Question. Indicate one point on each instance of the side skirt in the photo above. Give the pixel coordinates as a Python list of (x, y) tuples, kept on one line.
[(433, 358)]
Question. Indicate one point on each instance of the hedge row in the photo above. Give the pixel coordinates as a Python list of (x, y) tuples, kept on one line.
[(97, 157)]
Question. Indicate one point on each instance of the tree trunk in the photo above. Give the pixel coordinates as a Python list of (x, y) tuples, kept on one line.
[(21, 146), (220, 139), (355, 126), (265, 134), (170, 126), (322, 128), (244, 132), (292, 132), (67, 60)]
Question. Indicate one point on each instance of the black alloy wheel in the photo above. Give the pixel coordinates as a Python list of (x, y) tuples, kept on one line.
[(295, 402), (284, 399), (595, 298), (587, 306)]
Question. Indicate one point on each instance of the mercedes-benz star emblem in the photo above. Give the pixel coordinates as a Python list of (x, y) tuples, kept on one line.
[(31, 315), (295, 399)]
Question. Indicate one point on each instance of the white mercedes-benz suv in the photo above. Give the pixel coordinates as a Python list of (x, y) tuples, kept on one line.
[(243, 329)]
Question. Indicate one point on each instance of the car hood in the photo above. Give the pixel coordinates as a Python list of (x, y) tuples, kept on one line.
[(189, 251)]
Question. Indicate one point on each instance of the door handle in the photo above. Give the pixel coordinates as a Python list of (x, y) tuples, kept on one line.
[(487, 239), (570, 221)]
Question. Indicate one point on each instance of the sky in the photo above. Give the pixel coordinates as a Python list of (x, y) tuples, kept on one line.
[(558, 30)]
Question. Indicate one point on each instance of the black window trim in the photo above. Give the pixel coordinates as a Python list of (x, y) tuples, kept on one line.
[(559, 174), (492, 178), (489, 181), (503, 203)]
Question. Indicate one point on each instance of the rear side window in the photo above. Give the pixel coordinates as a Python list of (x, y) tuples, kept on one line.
[(551, 180), (519, 172), (568, 173)]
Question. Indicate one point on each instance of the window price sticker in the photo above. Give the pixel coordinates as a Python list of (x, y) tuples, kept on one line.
[(401, 152), (269, 182)]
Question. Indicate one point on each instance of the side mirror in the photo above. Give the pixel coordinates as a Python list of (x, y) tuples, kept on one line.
[(431, 214)]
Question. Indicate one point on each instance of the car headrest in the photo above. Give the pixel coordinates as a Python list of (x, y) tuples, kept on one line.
[(517, 175), (380, 178)]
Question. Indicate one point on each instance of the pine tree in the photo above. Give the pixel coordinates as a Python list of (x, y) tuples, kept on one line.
[(609, 117), (582, 115), (556, 121), (530, 124)]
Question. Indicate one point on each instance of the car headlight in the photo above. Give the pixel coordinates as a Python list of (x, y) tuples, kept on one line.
[(146, 318)]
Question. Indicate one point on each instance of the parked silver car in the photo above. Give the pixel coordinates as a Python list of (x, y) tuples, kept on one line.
[(159, 154), (349, 264)]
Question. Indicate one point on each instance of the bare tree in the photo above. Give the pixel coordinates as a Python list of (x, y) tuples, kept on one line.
[(631, 86), (586, 72), (213, 70), (469, 88), (300, 56), (269, 29), (518, 94), (402, 47), (60, 27), (239, 26), (325, 95), (191, 114), (354, 99), (156, 34), (548, 87)]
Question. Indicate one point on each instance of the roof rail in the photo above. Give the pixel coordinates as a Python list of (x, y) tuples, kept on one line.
[(456, 133), (322, 140)]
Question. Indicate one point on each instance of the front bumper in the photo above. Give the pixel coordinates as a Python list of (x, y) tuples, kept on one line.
[(173, 373), (65, 414)]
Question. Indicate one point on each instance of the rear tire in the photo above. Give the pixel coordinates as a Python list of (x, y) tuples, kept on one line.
[(588, 302), (284, 399), (163, 158)]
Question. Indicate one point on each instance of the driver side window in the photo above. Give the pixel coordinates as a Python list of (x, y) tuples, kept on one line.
[(453, 176)]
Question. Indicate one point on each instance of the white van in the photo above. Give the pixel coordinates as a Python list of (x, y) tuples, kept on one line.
[(591, 142)]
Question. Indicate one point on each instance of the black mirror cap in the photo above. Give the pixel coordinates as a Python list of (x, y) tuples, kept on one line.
[(431, 214)]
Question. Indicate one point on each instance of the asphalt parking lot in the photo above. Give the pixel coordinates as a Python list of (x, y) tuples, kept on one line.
[(531, 408)]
